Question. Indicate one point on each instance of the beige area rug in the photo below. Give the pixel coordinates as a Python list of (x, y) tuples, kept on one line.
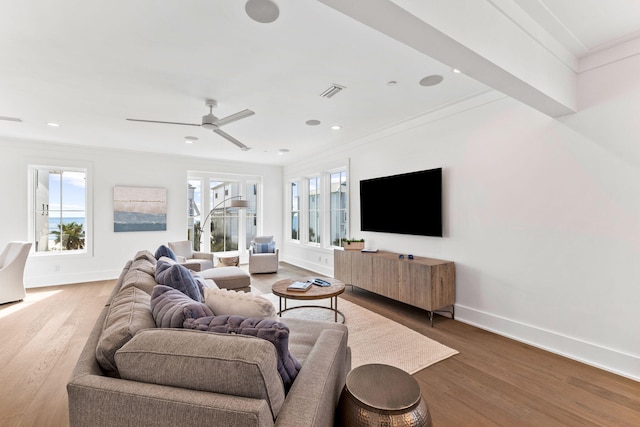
[(374, 338)]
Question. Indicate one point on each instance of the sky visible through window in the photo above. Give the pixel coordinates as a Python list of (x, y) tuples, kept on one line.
[(73, 194)]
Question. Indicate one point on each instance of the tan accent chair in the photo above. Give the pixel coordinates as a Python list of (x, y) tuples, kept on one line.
[(263, 262), (193, 260), (12, 262)]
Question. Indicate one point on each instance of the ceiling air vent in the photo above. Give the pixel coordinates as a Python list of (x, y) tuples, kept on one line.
[(10, 119), (333, 89)]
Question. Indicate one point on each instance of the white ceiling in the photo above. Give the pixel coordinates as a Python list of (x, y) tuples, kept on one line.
[(90, 67)]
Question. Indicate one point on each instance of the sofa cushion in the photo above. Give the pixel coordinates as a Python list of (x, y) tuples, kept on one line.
[(246, 304), (145, 254), (165, 251), (275, 332), (170, 307), (143, 265), (178, 277), (139, 279), (128, 313), (263, 239), (233, 365)]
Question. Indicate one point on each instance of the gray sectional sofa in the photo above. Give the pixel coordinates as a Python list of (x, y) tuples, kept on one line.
[(132, 373)]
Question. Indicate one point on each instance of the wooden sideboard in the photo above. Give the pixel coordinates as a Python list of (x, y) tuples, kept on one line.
[(426, 283)]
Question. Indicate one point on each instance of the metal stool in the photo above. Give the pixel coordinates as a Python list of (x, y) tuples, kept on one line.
[(382, 395)]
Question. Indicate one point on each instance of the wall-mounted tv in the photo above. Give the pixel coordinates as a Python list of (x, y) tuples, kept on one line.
[(409, 203)]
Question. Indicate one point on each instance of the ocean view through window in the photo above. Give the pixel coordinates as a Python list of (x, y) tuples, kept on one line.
[(59, 209)]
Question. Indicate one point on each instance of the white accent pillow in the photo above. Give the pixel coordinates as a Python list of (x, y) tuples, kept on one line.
[(246, 304)]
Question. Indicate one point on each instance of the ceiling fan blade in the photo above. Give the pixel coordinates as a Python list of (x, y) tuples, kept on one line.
[(237, 116), (167, 123), (232, 139)]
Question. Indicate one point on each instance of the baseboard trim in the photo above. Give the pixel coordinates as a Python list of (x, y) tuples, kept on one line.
[(70, 278), (610, 360)]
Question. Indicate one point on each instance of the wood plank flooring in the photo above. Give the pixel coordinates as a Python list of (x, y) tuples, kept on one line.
[(494, 381)]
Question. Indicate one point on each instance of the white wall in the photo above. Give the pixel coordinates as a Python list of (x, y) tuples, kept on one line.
[(111, 168), (542, 216)]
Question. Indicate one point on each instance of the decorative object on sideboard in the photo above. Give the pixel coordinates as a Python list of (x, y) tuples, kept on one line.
[(353, 244)]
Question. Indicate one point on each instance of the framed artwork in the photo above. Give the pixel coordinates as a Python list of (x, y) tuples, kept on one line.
[(139, 209)]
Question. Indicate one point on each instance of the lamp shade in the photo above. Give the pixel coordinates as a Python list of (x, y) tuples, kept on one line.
[(239, 203)]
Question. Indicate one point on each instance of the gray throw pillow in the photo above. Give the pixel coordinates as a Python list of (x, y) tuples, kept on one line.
[(178, 277)]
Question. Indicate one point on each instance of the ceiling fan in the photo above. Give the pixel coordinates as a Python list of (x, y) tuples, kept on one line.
[(209, 121)]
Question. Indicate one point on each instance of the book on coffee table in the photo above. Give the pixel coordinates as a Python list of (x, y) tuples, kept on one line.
[(299, 286)]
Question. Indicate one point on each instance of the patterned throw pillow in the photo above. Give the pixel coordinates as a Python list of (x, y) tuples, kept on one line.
[(275, 332), (178, 277), (170, 307), (264, 248)]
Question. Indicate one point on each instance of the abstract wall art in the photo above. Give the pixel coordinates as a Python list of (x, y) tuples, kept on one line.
[(139, 209)]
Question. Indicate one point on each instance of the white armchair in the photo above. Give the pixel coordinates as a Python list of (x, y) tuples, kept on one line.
[(263, 255), (12, 261), (193, 260)]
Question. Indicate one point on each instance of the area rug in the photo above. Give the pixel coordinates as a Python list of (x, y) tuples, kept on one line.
[(374, 338)]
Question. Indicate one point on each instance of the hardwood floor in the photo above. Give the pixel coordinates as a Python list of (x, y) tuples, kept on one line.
[(494, 381)]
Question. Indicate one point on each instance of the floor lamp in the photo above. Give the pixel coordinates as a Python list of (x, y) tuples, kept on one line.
[(236, 202)]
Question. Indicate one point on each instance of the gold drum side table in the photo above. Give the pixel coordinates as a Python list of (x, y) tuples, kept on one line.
[(382, 395)]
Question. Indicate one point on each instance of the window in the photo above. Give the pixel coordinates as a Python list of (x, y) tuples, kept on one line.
[(295, 211), (338, 207), (194, 219), (212, 218), (59, 200), (318, 208), (250, 213), (314, 210), (224, 219)]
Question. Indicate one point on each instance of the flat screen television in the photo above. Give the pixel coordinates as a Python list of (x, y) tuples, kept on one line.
[(409, 203)]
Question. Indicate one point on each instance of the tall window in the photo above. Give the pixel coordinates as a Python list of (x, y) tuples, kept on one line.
[(224, 220), (295, 211), (213, 224), (194, 217), (59, 198), (338, 207), (251, 195), (314, 210)]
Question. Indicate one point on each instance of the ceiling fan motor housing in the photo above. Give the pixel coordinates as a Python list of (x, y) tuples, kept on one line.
[(209, 121)]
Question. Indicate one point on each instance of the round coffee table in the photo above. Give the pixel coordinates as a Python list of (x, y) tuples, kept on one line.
[(382, 395), (313, 293)]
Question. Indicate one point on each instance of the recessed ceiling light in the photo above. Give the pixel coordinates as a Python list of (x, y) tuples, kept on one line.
[(263, 11), (336, 127), (55, 125), (313, 122), (283, 151), (431, 80), (190, 139), (455, 70)]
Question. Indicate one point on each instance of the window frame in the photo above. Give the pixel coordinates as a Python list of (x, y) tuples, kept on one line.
[(243, 182), (32, 211), (319, 217), (293, 211)]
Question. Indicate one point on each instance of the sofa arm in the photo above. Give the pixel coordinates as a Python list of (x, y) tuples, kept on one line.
[(203, 255), (314, 395), (96, 401)]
